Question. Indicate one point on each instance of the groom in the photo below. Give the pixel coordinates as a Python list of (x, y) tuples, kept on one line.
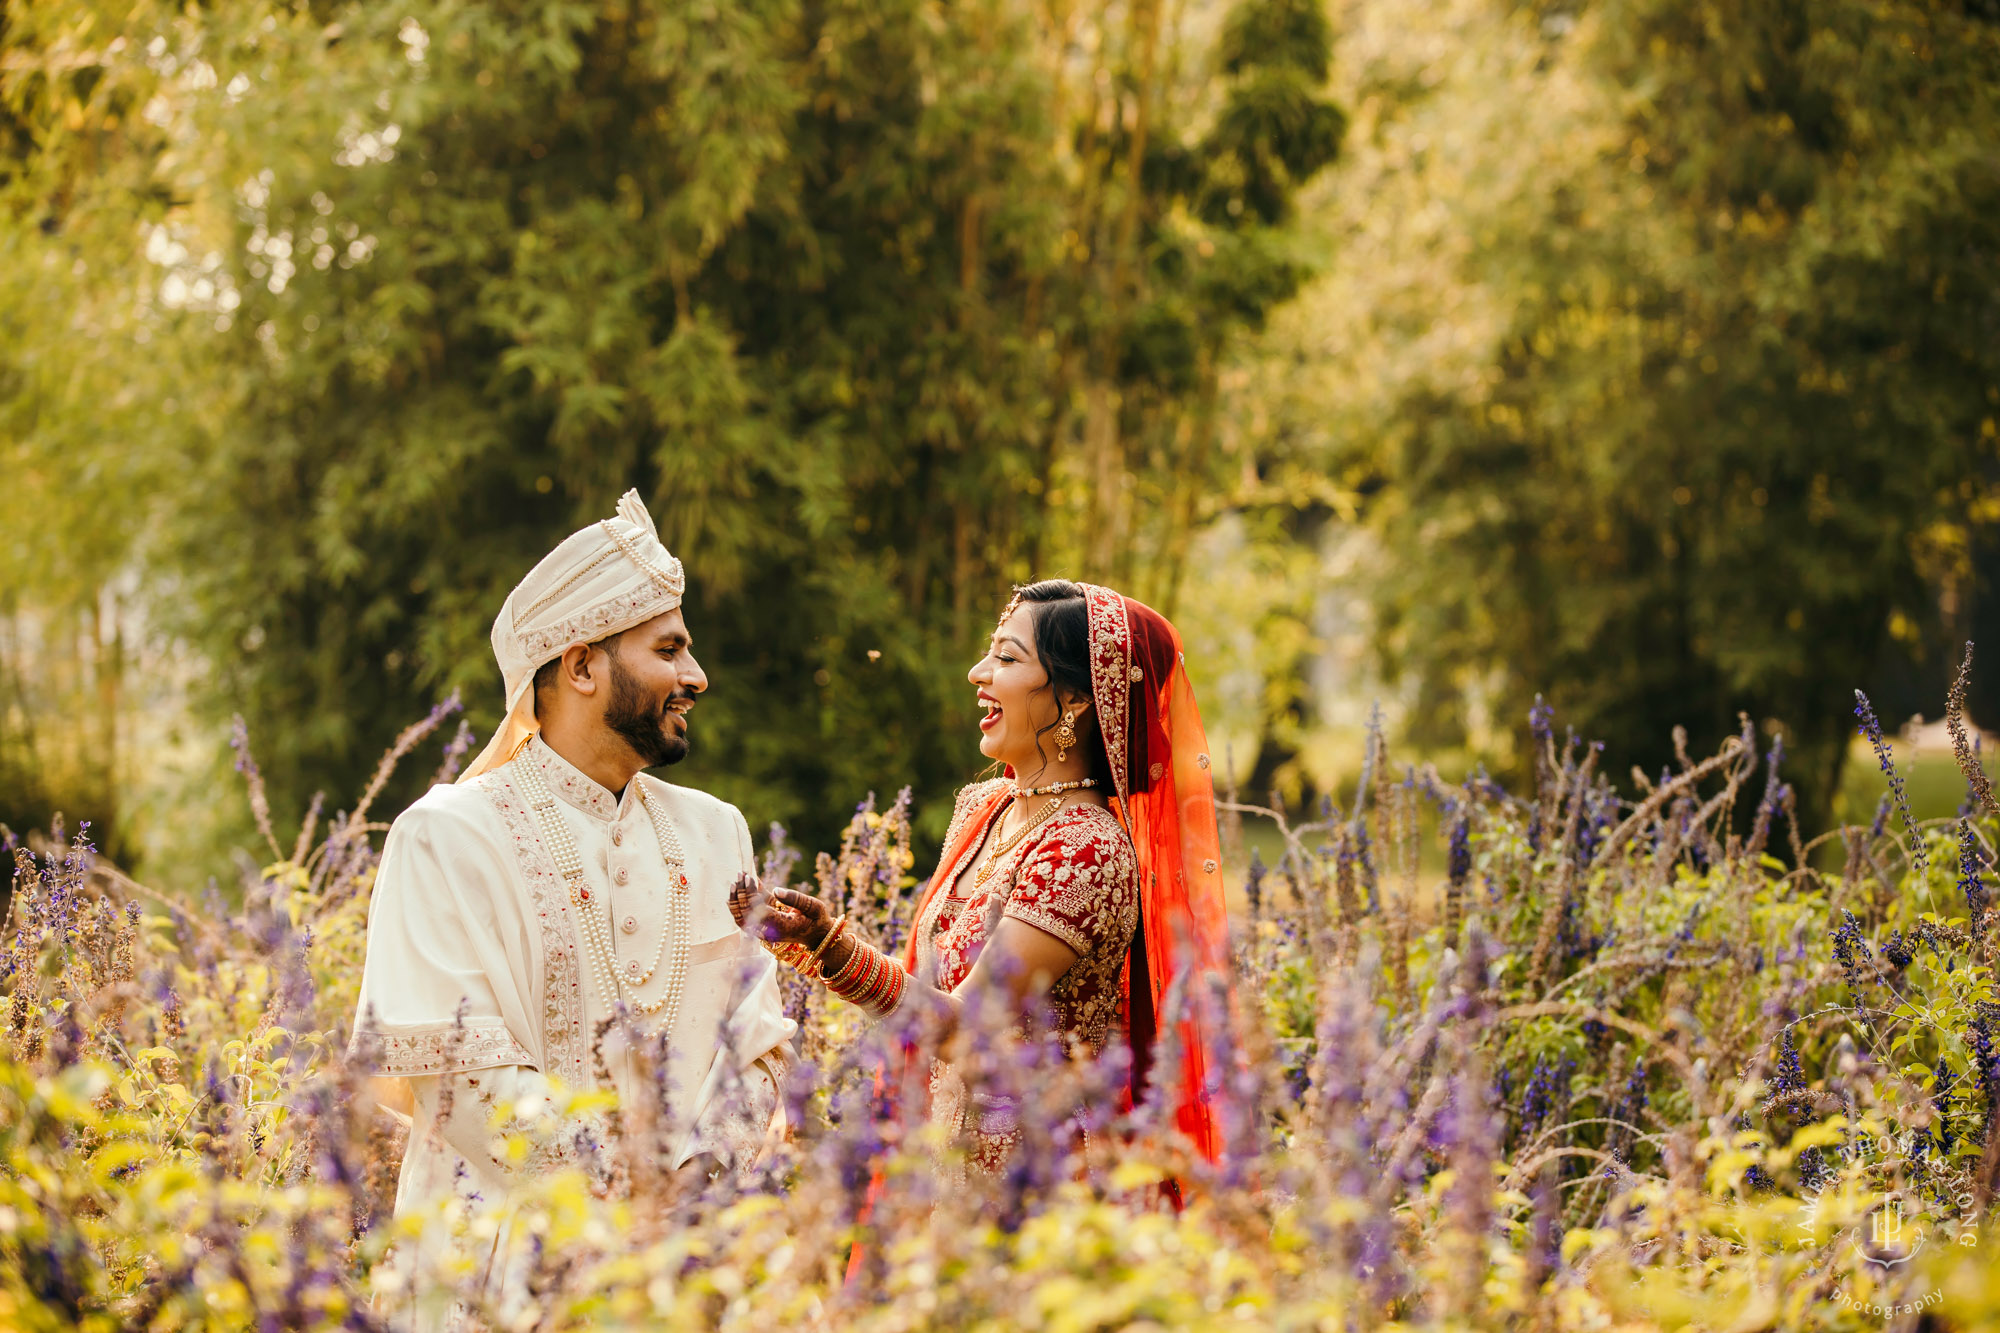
[(558, 920)]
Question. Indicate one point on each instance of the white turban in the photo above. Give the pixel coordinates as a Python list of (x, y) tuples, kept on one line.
[(608, 577)]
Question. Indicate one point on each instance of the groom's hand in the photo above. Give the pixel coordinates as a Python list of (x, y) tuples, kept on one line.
[(746, 900)]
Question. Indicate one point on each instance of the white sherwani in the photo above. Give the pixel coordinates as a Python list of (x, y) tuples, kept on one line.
[(469, 909)]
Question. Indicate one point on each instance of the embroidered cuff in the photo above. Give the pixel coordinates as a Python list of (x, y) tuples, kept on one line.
[(441, 1048), (1042, 919)]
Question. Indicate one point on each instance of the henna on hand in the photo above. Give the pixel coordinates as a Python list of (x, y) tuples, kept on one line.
[(816, 917), (779, 916)]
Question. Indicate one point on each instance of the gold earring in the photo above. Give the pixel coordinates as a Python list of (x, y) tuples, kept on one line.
[(1065, 736)]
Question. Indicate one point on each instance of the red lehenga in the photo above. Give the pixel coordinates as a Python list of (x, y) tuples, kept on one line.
[(1145, 871)]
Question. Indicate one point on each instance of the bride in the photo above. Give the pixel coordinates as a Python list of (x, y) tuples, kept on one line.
[(1080, 885)]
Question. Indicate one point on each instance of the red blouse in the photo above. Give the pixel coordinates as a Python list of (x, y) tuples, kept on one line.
[(1074, 877)]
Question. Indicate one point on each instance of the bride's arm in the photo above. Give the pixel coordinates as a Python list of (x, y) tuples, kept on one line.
[(1020, 960)]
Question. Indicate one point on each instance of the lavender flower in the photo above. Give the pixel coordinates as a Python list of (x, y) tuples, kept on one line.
[(1635, 1089), (780, 859), (1547, 1092), (1985, 1066), (253, 777), (1978, 787), (1944, 1085), (1760, 830), (1790, 1075), (1361, 851), (1542, 721), (1970, 882), (1458, 857), (455, 751), (1872, 729), (1850, 949)]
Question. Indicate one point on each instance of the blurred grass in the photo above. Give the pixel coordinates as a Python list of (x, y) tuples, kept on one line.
[(1936, 786)]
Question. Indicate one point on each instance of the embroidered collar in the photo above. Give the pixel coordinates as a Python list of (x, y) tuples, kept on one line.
[(569, 783)]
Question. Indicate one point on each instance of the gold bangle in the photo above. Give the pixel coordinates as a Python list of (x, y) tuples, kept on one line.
[(879, 983), (857, 959), (832, 934), (892, 998), (851, 987), (878, 968)]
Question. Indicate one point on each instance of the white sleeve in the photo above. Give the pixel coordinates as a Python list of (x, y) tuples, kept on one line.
[(428, 1001), (741, 1103)]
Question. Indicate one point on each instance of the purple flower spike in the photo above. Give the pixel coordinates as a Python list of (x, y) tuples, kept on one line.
[(1898, 790)]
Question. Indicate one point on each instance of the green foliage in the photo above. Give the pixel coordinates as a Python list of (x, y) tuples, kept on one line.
[(1665, 330), (883, 307)]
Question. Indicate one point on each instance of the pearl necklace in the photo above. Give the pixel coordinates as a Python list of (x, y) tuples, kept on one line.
[(1055, 788), (670, 842), (596, 935)]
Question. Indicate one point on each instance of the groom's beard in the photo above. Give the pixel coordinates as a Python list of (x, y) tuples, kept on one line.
[(643, 721)]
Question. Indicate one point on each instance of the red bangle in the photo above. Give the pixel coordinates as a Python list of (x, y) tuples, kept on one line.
[(871, 981), (866, 982), (897, 981), (877, 978), (844, 978), (849, 982)]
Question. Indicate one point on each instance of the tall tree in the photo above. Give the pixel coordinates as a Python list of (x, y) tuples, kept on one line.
[(92, 402), (1680, 385), (882, 306)]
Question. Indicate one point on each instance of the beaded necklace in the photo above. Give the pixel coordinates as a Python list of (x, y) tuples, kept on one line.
[(596, 934), (1055, 788)]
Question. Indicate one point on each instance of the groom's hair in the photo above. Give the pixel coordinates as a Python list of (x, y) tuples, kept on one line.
[(1062, 641), (545, 674)]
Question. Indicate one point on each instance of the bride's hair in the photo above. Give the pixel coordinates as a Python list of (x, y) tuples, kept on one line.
[(1062, 641)]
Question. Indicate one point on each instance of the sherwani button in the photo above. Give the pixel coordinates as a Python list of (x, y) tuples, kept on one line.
[(629, 925), (622, 875), (617, 837)]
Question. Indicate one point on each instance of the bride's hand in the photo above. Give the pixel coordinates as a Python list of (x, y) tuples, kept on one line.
[(783, 916)]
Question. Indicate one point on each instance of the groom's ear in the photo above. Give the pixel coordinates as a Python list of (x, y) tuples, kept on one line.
[(579, 669)]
